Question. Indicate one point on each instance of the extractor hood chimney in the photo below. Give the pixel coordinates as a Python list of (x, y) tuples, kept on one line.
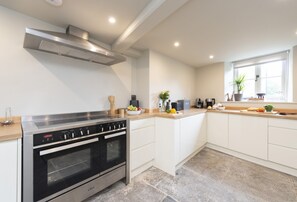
[(74, 44)]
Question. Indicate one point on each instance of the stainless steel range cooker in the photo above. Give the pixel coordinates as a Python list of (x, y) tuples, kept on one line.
[(69, 157)]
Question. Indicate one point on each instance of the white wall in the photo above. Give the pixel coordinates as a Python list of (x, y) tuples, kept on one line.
[(169, 74), (294, 72), (40, 83), (210, 82), (141, 84)]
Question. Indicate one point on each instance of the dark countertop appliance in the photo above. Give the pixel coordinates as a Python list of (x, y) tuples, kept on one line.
[(209, 102), (185, 104), (176, 105), (199, 103), (133, 101), (69, 157)]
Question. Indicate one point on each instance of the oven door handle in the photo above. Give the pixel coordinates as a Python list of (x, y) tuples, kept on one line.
[(69, 146), (115, 135)]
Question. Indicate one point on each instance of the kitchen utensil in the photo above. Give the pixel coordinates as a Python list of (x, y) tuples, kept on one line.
[(133, 101), (8, 118), (122, 112), (111, 100)]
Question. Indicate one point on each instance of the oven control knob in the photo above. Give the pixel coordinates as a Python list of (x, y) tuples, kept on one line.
[(102, 129), (88, 132), (119, 126), (81, 133), (114, 127), (123, 125), (109, 127), (65, 137), (72, 135)]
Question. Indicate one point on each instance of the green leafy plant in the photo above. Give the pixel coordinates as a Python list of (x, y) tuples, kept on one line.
[(239, 82), (268, 108), (164, 95)]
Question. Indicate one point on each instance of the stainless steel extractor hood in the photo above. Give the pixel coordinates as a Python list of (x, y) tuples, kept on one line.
[(74, 43)]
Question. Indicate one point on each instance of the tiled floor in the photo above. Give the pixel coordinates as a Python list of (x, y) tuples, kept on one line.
[(208, 176)]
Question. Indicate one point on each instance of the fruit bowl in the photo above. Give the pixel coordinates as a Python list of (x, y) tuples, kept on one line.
[(133, 112)]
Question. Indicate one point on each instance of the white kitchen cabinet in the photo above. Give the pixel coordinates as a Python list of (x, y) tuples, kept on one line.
[(248, 135), (10, 170), (142, 145), (178, 139), (217, 129), (283, 142), (283, 155), (283, 137), (192, 135)]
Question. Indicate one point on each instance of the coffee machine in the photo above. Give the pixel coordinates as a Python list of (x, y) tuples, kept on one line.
[(209, 102), (199, 103)]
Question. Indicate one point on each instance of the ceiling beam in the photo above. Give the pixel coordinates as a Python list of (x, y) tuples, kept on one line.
[(132, 53), (154, 13)]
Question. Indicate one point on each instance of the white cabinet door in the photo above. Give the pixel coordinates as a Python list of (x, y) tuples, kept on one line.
[(217, 129), (142, 155), (167, 144), (248, 135), (202, 139), (142, 145), (9, 171), (141, 123), (141, 137), (192, 135), (283, 155)]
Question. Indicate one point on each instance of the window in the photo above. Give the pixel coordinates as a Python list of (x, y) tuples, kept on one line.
[(265, 74)]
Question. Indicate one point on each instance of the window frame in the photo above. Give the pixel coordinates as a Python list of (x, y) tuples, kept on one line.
[(261, 60)]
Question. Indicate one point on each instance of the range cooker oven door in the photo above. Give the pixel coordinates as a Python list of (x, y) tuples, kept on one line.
[(62, 166), (113, 149)]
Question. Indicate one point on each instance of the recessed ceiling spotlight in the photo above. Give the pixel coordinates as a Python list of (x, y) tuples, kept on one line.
[(211, 57), (112, 20), (176, 44), (55, 2)]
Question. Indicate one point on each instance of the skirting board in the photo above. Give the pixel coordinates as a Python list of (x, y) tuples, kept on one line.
[(150, 164), (141, 169), (261, 162), (189, 157)]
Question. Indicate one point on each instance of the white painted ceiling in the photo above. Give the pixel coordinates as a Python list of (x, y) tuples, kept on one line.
[(228, 29), (90, 15)]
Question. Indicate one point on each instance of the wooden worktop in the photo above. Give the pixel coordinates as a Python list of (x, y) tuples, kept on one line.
[(180, 115), (194, 111), (11, 132), (258, 114)]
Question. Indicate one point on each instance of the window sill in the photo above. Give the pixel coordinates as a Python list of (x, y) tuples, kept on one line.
[(255, 102)]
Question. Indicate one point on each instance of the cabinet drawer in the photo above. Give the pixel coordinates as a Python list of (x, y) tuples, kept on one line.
[(283, 137), (136, 124), (141, 137), (142, 156), (283, 155), (283, 123)]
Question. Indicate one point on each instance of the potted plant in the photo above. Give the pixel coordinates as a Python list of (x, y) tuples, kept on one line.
[(268, 108), (164, 95), (239, 82)]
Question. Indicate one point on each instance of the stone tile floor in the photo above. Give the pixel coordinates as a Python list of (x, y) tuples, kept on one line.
[(208, 176)]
